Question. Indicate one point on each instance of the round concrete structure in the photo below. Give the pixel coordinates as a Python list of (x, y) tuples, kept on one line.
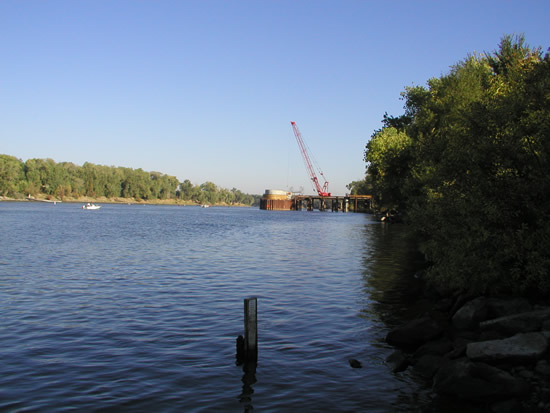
[(277, 194)]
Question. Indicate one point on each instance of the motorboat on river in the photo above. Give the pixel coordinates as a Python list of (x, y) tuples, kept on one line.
[(91, 206)]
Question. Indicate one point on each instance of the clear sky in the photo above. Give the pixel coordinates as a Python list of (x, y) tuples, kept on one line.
[(205, 90)]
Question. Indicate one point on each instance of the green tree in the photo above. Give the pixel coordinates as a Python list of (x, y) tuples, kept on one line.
[(186, 188), (32, 174), (51, 175), (168, 186), (209, 193), (480, 203), (113, 182), (45, 176), (468, 163), (363, 187), (388, 156), (76, 183), (12, 176)]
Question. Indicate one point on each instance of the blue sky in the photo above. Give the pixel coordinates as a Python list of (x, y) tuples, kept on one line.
[(206, 90)]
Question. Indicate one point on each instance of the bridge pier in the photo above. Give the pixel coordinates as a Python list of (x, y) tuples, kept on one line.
[(322, 203), (335, 203)]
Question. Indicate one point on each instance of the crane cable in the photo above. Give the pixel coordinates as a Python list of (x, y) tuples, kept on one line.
[(314, 161)]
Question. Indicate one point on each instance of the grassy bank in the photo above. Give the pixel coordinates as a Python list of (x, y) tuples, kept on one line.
[(114, 200)]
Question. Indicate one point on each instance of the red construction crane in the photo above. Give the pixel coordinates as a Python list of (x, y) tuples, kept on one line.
[(322, 191)]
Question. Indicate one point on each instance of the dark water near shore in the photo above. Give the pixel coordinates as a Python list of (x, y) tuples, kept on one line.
[(137, 308)]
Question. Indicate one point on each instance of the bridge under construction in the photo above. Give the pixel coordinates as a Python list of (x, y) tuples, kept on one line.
[(274, 200)]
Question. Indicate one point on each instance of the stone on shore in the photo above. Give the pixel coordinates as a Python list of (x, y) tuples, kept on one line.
[(414, 333), (477, 381), (518, 323), (439, 347), (503, 306), (507, 406), (543, 368), (470, 314), (495, 353), (397, 361), (428, 364), (520, 348)]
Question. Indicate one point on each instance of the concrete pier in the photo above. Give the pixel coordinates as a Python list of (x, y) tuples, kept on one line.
[(279, 200), (334, 203)]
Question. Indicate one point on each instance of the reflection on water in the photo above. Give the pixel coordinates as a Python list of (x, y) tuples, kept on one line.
[(390, 262), (389, 266), (248, 379)]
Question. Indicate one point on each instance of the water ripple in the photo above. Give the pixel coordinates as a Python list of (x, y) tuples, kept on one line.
[(137, 308)]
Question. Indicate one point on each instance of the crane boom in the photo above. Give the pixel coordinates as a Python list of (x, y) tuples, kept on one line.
[(322, 191)]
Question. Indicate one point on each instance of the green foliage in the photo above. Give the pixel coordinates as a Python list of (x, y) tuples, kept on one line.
[(11, 176), (45, 176), (363, 187), (388, 156), (469, 166)]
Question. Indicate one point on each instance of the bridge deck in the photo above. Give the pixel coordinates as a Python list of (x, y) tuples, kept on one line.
[(322, 203)]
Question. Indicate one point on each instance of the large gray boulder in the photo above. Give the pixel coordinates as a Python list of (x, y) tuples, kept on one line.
[(470, 314), (414, 333), (519, 348), (427, 365), (503, 306), (439, 347), (518, 323), (397, 361), (469, 380), (543, 368)]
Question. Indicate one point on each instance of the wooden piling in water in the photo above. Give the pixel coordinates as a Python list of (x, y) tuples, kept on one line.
[(247, 347)]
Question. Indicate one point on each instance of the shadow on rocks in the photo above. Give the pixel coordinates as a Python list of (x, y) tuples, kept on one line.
[(489, 353)]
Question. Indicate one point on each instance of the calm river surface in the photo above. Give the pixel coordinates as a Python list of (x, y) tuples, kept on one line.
[(137, 308)]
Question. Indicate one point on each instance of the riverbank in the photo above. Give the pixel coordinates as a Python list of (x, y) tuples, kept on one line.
[(113, 200), (487, 353)]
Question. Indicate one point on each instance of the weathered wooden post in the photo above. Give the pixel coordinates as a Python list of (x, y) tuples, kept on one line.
[(251, 328), (247, 346)]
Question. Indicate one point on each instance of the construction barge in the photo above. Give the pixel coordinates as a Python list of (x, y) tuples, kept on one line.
[(277, 200)]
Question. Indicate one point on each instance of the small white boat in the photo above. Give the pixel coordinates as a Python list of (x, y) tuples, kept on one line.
[(205, 206), (91, 206)]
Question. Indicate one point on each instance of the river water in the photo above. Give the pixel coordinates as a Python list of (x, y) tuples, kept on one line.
[(135, 308)]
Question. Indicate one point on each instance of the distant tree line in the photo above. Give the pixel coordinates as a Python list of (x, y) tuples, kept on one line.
[(65, 179), (468, 165)]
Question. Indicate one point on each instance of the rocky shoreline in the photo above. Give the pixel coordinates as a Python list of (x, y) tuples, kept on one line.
[(488, 352)]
